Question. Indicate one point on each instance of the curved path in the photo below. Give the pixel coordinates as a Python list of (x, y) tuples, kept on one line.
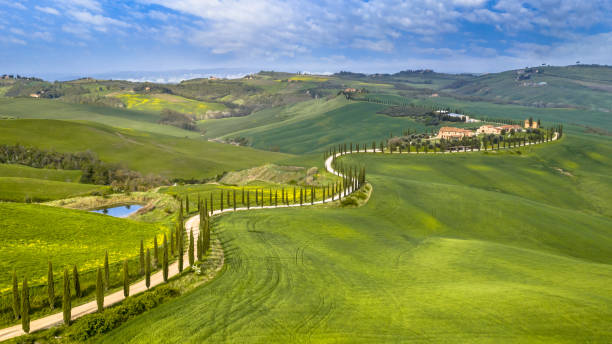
[(191, 224), (156, 279)]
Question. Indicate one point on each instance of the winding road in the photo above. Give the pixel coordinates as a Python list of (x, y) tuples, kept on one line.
[(157, 278)]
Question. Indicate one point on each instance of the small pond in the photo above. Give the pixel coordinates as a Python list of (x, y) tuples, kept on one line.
[(122, 211)]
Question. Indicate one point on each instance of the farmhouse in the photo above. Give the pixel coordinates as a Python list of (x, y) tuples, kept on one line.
[(489, 129), (534, 124), (509, 127), (454, 133), (350, 90)]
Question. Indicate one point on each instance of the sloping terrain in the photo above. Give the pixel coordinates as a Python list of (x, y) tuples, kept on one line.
[(473, 247)]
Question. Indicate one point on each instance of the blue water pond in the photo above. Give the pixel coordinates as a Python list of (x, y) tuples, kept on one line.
[(122, 211)]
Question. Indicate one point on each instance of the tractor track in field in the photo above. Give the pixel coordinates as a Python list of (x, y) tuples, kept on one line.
[(237, 316)]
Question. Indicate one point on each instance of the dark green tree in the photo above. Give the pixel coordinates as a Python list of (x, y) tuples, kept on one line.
[(126, 279), (16, 300), (66, 299), (100, 291), (148, 269), (25, 306), (165, 259), (187, 204), (106, 272), (191, 248), (180, 252), (50, 286), (77, 282)]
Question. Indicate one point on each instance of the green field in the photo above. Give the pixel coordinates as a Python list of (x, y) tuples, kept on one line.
[(158, 102), (474, 247), (65, 237), (121, 118), (168, 156), (10, 170), (18, 189), (313, 126)]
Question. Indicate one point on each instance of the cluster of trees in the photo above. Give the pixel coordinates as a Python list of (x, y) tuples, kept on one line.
[(178, 119), (148, 261), (93, 170), (419, 143)]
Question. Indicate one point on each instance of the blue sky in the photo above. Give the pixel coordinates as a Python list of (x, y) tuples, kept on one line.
[(88, 37)]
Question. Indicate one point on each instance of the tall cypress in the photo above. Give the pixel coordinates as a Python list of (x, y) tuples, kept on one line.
[(165, 259), (148, 269), (180, 252), (25, 306), (172, 244), (234, 200), (50, 286), (142, 260), (248, 200), (191, 248), (100, 291), (126, 279), (77, 282), (106, 272), (187, 204), (66, 299), (155, 253), (221, 200), (16, 300)]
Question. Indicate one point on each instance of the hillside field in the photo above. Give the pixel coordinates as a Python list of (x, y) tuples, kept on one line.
[(465, 247), (168, 156)]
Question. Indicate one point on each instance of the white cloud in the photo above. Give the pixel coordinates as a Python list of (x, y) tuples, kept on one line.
[(48, 10), (17, 31), (381, 45), (91, 5), (13, 4)]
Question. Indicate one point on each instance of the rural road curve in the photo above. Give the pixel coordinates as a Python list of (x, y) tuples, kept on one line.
[(157, 278)]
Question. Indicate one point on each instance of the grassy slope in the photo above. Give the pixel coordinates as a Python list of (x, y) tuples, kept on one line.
[(10, 170), (19, 182), (476, 247), (314, 126), (18, 189), (32, 234), (54, 109), (585, 86), (158, 102), (144, 152)]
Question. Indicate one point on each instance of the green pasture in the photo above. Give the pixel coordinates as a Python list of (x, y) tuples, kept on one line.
[(313, 126), (14, 170), (168, 156), (17, 189), (158, 102), (121, 118), (455, 248)]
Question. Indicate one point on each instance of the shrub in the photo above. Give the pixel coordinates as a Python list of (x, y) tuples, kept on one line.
[(99, 323)]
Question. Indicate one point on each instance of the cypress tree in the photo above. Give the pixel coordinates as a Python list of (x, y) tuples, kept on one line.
[(242, 196), (148, 269), (234, 200), (199, 246), (172, 233), (248, 200), (155, 253), (16, 300), (212, 205), (221, 201), (142, 260), (199, 203), (294, 195), (106, 272), (276, 198), (187, 204), (100, 291), (77, 282), (180, 253), (126, 279), (191, 248), (66, 299), (50, 286), (25, 306), (165, 259), (256, 197)]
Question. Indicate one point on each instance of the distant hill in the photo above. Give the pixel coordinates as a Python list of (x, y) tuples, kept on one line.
[(579, 86)]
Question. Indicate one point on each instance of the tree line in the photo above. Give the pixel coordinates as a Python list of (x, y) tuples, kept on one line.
[(94, 171), (420, 144), (149, 260)]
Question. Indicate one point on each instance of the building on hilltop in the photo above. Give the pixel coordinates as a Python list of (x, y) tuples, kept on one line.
[(449, 133), (534, 124), (489, 129)]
